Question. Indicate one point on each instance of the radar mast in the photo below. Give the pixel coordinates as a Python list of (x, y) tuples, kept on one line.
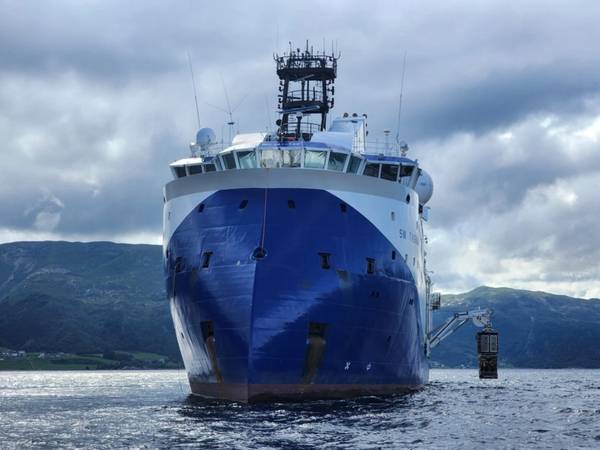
[(306, 89)]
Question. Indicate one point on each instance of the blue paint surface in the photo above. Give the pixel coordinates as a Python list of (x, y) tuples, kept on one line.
[(261, 309)]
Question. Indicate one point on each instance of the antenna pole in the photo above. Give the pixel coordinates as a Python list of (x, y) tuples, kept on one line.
[(400, 102), (229, 111), (194, 85)]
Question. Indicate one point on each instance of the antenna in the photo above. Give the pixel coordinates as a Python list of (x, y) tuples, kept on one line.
[(400, 101), (194, 86), (267, 114), (229, 111)]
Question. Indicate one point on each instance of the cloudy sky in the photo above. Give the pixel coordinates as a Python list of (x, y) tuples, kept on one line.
[(501, 105)]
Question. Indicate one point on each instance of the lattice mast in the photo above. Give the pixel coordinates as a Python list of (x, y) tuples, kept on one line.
[(306, 88)]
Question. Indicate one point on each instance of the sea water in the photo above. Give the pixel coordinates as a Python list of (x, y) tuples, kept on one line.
[(153, 409)]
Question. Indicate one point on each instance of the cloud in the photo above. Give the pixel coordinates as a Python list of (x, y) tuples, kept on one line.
[(46, 213), (501, 105), (518, 208)]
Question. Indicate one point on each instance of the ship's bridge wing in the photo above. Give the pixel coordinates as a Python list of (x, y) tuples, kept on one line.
[(193, 166)]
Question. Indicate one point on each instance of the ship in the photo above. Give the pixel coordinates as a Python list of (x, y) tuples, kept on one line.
[(295, 259)]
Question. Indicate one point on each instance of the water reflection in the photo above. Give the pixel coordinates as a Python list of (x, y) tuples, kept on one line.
[(153, 409)]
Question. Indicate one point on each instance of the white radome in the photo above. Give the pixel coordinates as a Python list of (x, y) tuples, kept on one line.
[(205, 137), (424, 187)]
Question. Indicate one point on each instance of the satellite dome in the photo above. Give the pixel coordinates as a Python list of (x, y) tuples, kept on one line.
[(205, 137), (424, 187)]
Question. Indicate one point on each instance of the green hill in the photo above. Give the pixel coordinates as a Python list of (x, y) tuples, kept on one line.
[(84, 298), (536, 329), (100, 297)]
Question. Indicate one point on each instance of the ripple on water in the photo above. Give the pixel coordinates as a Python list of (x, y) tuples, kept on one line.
[(136, 409)]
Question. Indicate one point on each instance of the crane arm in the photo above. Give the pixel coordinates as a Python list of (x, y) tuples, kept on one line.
[(479, 317)]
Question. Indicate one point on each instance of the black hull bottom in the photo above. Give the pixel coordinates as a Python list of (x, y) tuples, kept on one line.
[(258, 393)]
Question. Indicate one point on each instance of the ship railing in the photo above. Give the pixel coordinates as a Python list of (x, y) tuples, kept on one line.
[(382, 146), (291, 132), (300, 95), (208, 150), (297, 61)]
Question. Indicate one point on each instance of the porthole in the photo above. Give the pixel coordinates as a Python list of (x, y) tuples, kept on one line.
[(201, 207), (206, 259), (291, 204), (243, 204), (343, 207), (325, 260), (370, 265), (179, 265), (408, 199), (259, 253)]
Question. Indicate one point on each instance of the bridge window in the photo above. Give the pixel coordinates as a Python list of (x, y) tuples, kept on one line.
[(210, 168), (371, 170), (247, 159), (195, 169), (180, 171), (354, 164), (228, 160), (314, 159), (270, 159), (325, 260), (337, 161), (406, 171), (291, 158), (389, 172)]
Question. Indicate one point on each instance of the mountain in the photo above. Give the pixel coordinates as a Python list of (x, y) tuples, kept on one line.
[(84, 298), (100, 297), (536, 329)]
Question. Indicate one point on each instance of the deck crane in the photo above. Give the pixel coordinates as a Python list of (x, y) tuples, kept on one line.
[(487, 339)]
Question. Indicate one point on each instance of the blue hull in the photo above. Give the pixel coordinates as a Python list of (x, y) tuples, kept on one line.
[(307, 319)]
